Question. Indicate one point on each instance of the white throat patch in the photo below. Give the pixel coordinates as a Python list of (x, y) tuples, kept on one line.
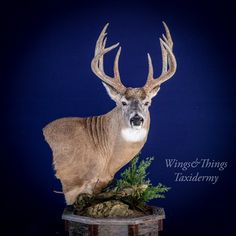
[(133, 135)]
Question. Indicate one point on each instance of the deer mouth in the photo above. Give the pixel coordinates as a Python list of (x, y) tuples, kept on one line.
[(136, 122)]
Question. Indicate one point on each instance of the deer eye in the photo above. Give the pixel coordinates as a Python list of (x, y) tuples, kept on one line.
[(124, 103), (146, 103)]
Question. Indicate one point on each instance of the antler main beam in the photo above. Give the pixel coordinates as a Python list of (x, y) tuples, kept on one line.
[(97, 62), (169, 64)]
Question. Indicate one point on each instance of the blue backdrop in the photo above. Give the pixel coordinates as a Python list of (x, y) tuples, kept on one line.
[(46, 49)]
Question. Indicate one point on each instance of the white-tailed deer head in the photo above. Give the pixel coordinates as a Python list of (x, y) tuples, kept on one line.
[(134, 102), (87, 152)]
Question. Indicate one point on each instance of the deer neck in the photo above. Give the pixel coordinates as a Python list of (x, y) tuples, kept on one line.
[(125, 142)]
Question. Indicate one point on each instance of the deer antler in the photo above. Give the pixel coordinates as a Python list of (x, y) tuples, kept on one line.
[(97, 62), (169, 64)]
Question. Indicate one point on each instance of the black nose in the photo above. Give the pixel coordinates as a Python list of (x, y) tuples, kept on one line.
[(136, 120)]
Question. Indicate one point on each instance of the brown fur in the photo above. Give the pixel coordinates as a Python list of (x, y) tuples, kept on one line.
[(135, 93), (87, 152)]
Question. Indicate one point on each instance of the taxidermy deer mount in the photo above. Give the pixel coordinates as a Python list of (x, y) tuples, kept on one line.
[(87, 152)]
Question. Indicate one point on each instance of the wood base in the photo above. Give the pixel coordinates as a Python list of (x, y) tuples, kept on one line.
[(149, 225)]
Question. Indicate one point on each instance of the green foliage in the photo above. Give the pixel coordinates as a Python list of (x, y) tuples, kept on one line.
[(135, 178), (133, 189)]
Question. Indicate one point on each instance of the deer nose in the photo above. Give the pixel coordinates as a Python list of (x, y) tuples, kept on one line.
[(136, 120)]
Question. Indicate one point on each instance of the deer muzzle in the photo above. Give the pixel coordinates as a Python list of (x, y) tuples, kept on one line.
[(136, 121)]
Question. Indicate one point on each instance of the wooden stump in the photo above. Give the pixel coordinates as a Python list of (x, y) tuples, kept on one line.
[(148, 225)]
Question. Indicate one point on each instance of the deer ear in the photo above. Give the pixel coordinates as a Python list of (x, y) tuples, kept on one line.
[(113, 93), (154, 91)]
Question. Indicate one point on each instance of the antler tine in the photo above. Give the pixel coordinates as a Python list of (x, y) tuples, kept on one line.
[(97, 62), (169, 42), (100, 41), (164, 59), (116, 65), (150, 67), (100, 62), (168, 37), (169, 64)]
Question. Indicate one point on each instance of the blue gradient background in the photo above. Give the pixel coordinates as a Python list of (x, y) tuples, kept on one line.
[(46, 49)]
